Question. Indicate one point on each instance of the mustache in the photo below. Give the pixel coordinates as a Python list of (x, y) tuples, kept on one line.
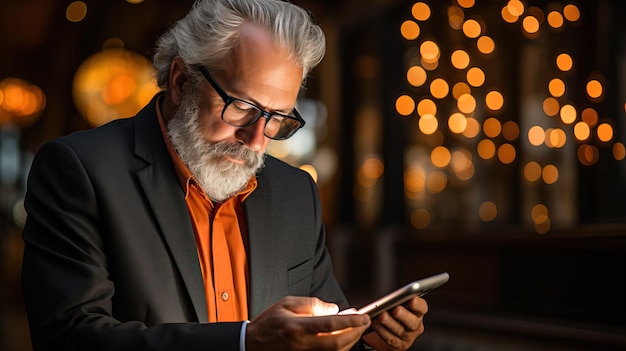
[(233, 150)]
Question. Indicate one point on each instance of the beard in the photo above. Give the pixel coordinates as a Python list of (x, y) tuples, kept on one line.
[(209, 163)]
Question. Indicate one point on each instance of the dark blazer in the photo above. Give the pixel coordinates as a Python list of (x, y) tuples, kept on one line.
[(110, 261)]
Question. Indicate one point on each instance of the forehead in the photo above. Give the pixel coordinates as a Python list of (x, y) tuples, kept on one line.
[(260, 67)]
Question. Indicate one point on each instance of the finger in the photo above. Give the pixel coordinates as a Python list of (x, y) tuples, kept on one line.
[(310, 306), (321, 308), (348, 311), (407, 320), (386, 342), (388, 327), (341, 340), (417, 305), (335, 323), (382, 338), (329, 333)]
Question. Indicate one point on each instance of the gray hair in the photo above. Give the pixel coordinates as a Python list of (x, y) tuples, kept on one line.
[(210, 31)]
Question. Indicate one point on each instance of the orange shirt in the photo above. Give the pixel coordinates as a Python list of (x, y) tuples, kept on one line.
[(220, 231)]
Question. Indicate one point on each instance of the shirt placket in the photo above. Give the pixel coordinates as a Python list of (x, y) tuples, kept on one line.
[(222, 270)]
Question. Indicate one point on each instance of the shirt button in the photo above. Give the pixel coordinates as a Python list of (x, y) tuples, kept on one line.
[(224, 296)]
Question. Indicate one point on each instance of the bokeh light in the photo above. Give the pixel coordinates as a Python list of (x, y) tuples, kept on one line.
[(492, 127), (582, 132), (605, 132), (594, 89), (507, 16), (457, 122), (510, 130), (429, 51), (439, 88), (416, 76), (460, 59), (429, 65), (486, 149), (465, 3), (472, 28), (21, 102), (539, 213), (414, 181), (113, 83), (540, 218), (487, 211), (555, 138), (555, 19), (619, 151), (568, 114), (440, 156), (456, 17), (571, 13), (556, 87), (590, 116), (536, 135), (462, 164), (420, 218), (370, 171), (587, 154), (436, 182), (410, 30), (405, 105), (564, 62), (428, 124), (532, 171), (459, 89), (420, 11), (485, 45), (466, 103), (551, 107), (507, 153), (475, 76), (530, 24), (550, 174), (515, 7), (426, 107), (472, 129), (76, 11), (494, 100)]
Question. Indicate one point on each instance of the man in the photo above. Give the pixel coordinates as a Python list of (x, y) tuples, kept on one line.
[(172, 230)]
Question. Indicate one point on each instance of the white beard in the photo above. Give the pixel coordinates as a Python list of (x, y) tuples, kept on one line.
[(218, 176)]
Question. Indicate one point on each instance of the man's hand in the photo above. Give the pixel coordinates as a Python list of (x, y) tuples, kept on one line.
[(398, 329), (304, 323)]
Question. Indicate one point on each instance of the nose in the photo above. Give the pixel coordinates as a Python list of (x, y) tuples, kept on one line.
[(253, 136)]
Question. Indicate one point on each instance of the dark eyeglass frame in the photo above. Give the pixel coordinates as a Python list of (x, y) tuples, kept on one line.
[(262, 113)]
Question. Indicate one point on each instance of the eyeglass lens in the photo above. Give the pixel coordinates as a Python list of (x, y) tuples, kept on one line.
[(240, 113)]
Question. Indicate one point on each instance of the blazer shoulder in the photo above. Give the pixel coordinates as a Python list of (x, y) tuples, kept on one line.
[(282, 173), (275, 166), (114, 134), (111, 132)]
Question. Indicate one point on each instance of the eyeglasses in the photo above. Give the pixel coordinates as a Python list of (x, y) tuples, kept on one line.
[(242, 114)]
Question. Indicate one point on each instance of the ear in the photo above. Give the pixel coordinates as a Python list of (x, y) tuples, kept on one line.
[(178, 80)]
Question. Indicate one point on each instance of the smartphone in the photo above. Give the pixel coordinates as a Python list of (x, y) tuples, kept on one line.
[(417, 288)]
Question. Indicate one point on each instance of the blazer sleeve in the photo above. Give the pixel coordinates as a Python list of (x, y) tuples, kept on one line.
[(66, 283)]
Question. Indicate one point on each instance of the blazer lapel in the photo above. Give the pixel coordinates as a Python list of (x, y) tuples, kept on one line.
[(260, 247), (168, 204)]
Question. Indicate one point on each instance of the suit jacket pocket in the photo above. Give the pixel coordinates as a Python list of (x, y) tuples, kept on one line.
[(299, 277)]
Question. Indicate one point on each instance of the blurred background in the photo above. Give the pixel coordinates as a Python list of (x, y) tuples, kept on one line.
[(484, 138)]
